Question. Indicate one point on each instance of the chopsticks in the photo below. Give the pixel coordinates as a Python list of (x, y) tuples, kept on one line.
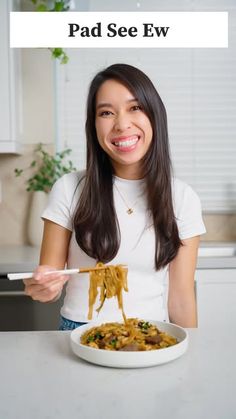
[(28, 275)]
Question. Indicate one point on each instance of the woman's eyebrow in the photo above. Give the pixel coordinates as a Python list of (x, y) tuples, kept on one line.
[(103, 104), (109, 105)]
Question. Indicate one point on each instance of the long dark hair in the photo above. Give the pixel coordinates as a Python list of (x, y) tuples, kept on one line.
[(95, 221)]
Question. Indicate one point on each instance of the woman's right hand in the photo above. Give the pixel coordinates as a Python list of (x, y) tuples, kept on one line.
[(45, 288)]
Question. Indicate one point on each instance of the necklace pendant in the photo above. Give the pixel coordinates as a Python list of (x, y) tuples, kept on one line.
[(130, 211)]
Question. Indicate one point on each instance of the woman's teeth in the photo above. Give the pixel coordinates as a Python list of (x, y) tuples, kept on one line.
[(126, 143)]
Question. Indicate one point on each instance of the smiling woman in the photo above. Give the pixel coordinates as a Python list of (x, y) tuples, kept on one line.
[(126, 208), (123, 130)]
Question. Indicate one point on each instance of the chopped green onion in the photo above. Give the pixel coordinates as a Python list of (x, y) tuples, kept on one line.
[(98, 335), (144, 325), (113, 342)]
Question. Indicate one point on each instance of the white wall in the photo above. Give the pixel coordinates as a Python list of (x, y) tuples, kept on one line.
[(38, 96)]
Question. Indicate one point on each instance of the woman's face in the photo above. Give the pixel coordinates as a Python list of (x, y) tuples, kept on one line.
[(123, 129)]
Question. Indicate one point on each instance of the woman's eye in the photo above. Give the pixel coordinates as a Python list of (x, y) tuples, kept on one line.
[(105, 113), (136, 108)]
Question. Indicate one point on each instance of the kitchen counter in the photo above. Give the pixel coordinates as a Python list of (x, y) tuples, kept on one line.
[(18, 259), (25, 258), (42, 378), (217, 255)]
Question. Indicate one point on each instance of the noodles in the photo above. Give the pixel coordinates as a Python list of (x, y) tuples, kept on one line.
[(111, 280), (134, 335)]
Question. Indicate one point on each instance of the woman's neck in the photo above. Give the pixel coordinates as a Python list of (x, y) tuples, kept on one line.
[(127, 172)]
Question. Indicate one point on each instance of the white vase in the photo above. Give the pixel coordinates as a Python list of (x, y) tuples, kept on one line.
[(35, 223)]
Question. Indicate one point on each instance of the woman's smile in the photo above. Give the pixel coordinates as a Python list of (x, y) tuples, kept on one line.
[(125, 143), (123, 129)]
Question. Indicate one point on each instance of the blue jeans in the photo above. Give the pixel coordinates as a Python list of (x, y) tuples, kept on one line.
[(66, 324)]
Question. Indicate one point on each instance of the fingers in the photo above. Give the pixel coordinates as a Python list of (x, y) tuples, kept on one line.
[(42, 275), (44, 293), (39, 275), (45, 288)]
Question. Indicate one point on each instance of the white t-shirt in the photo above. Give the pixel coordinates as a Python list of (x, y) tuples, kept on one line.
[(146, 297)]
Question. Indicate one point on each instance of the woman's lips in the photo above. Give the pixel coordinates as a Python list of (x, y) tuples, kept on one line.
[(126, 143)]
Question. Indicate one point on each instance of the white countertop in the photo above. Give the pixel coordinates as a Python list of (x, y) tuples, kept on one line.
[(41, 378), (18, 258)]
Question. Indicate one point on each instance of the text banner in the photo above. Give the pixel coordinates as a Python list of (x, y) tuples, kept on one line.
[(119, 29)]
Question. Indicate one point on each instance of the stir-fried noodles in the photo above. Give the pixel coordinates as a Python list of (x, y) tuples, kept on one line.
[(111, 281), (134, 335)]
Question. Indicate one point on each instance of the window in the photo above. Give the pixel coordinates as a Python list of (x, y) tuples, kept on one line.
[(198, 88)]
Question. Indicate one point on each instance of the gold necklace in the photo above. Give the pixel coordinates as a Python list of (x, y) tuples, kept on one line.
[(130, 209)]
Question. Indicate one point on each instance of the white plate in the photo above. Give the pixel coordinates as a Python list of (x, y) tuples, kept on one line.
[(123, 359)]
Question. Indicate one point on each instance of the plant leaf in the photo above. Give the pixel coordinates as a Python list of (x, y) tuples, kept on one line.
[(41, 8)]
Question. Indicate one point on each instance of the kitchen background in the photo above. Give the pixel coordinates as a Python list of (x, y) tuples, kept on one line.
[(47, 104), (43, 101)]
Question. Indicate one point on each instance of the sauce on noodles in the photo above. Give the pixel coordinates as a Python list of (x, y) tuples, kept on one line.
[(134, 335)]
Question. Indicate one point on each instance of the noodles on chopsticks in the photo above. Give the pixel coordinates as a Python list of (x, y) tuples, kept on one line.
[(111, 280)]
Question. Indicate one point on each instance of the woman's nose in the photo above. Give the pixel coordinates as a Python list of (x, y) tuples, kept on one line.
[(122, 122)]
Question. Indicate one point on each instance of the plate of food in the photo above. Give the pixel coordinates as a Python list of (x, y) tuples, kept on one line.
[(134, 343)]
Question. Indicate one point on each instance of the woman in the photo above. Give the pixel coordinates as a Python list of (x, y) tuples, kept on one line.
[(126, 208)]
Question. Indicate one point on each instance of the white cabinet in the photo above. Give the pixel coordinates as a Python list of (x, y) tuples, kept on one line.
[(10, 86), (216, 297)]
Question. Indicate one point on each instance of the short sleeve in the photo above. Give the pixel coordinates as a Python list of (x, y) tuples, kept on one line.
[(188, 211), (61, 201)]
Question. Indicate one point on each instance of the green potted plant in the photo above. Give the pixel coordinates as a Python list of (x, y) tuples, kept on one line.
[(47, 168), (44, 170)]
